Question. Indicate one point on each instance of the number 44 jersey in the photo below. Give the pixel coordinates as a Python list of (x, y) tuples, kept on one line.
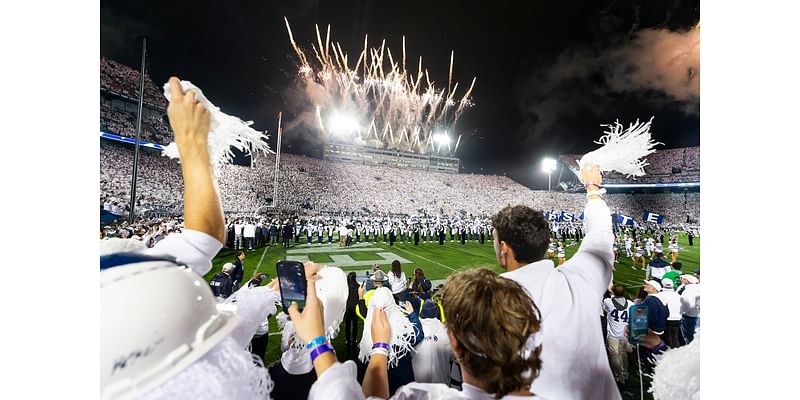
[(616, 309)]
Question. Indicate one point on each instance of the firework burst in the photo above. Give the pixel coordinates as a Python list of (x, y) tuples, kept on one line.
[(375, 101)]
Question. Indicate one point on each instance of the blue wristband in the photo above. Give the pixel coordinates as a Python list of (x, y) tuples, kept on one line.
[(381, 345), (317, 341), (320, 350)]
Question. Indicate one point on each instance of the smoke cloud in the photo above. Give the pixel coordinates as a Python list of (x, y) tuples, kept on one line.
[(656, 66)]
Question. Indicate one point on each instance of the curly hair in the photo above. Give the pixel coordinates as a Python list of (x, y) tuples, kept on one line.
[(492, 319), (525, 230)]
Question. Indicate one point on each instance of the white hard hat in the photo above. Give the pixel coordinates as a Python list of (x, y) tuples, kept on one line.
[(157, 318)]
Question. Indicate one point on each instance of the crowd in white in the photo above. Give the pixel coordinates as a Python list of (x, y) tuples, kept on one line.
[(317, 186)]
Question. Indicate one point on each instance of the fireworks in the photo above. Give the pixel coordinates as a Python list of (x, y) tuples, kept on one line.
[(376, 101)]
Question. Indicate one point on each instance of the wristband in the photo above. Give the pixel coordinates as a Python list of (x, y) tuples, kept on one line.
[(320, 350), (380, 350), (591, 184), (381, 345), (317, 341)]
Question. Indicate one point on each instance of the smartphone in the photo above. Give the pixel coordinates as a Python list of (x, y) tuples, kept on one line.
[(637, 323), (292, 283)]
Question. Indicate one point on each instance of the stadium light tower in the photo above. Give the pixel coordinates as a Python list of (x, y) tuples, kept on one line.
[(548, 166)]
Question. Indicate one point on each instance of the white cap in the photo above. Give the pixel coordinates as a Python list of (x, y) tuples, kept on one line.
[(668, 284), (654, 283)]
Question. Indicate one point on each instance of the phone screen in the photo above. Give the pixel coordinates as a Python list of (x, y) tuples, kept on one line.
[(637, 322), (292, 279)]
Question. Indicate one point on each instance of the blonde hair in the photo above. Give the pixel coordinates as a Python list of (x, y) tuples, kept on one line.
[(493, 319)]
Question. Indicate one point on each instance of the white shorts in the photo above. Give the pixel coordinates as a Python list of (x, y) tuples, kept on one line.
[(637, 255)]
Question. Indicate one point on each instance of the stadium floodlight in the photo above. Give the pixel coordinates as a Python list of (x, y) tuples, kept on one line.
[(341, 124), (548, 166)]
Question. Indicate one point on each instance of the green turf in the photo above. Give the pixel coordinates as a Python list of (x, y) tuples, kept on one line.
[(439, 262)]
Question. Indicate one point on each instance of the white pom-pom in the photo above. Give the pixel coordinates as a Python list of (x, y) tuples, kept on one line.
[(402, 335), (622, 150), (226, 131), (677, 373), (253, 306), (332, 291)]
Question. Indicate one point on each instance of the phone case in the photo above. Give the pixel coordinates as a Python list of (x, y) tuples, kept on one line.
[(637, 323)]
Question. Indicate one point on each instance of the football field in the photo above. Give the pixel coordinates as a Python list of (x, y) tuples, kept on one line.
[(438, 262)]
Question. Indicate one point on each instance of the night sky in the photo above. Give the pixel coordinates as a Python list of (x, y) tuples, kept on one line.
[(548, 72)]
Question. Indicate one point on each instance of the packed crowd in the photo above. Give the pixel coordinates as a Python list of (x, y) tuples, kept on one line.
[(123, 123), (159, 185), (529, 333), (660, 167), (312, 186), (123, 80)]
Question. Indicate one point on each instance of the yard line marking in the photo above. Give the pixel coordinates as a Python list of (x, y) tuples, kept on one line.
[(262, 258), (427, 259)]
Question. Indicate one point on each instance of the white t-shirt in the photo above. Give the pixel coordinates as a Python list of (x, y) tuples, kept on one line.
[(575, 363), (398, 284), (237, 229), (690, 300), (617, 319), (249, 230), (673, 302), (431, 361)]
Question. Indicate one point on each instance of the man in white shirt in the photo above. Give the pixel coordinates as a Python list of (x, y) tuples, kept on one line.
[(238, 227), (575, 364), (616, 308), (249, 233), (342, 235), (672, 335), (690, 306)]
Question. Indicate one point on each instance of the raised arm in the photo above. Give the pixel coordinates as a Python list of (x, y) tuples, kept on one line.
[(595, 256), (191, 123), (376, 378)]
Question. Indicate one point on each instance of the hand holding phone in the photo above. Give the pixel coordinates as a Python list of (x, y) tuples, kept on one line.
[(292, 283)]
